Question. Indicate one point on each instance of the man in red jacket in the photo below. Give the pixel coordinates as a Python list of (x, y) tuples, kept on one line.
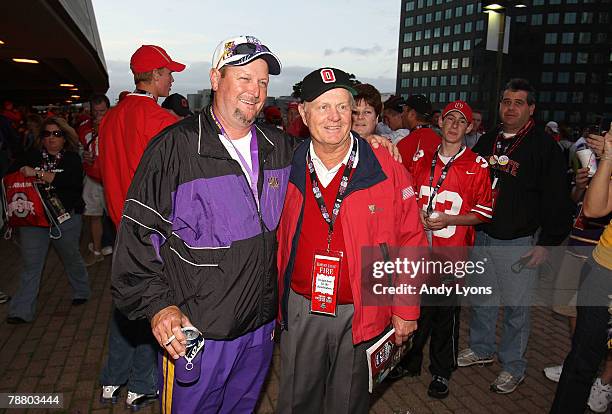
[(124, 134), (342, 195)]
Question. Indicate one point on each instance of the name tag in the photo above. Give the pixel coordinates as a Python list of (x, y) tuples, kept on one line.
[(325, 278)]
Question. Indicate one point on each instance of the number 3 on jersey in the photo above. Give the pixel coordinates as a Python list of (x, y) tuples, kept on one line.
[(444, 197)]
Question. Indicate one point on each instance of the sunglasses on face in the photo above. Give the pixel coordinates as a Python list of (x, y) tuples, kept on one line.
[(57, 133)]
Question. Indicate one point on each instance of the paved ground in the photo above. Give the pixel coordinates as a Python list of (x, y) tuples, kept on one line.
[(62, 351)]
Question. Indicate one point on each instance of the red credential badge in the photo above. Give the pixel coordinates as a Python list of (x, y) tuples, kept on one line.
[(325, 278)]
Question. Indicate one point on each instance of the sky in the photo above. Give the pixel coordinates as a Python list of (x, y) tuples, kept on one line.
[(357, 36)]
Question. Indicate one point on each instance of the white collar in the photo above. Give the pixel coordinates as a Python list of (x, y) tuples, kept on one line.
[(326, 175)]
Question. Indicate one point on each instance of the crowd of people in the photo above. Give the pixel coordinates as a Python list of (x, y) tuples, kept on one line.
[(235, 224)]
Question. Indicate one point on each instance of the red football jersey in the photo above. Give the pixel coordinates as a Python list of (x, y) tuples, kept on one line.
[(466, 189), (421, 141)]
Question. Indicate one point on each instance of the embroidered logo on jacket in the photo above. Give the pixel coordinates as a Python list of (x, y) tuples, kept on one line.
[(273, 183)]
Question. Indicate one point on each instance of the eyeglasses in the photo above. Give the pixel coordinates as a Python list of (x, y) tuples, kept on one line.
[(57, 133)]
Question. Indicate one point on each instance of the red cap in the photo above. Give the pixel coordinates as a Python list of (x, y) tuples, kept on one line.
[(272, 113), (149, 57), (292, 105), (459, 106)]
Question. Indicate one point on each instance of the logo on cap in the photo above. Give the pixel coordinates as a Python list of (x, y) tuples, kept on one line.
[(458, 105), (328, 76)]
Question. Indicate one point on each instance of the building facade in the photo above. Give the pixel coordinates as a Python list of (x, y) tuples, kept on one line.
[(563, 47)]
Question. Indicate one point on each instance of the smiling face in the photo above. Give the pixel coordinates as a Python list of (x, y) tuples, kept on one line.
[(53, 138), (364, 119), (329, 117), (240, 92), (514, 110)]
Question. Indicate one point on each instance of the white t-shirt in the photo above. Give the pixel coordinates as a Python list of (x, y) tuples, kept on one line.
[(243, 145)]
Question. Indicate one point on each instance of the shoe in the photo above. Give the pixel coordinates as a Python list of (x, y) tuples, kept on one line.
[(438, 388), (506, 383), (92, 258), (106, 250), (4, 297), (15, 320), (601, 396), (110, 394), (468, 357), (553, 373), (401, 372), (136, 401), (78, 302)]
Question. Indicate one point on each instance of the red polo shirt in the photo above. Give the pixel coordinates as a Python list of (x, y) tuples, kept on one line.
[(314, 236)]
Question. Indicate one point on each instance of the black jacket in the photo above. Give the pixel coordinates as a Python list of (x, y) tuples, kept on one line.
[(192, 235), (535, 195)]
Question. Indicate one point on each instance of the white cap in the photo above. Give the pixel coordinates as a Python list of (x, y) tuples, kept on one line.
[(553, 126), (240, 50)]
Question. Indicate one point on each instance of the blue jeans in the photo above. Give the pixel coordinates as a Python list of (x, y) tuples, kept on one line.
[(513, 291), (132, 355), (34, 243)]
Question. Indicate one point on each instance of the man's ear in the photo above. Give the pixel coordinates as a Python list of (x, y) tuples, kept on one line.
[(215, 75), (302, 111), (469, 128), (531, 109)]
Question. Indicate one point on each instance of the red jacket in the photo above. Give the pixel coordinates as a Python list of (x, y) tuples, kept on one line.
[(90, 143), (379, 207), (123, 136)]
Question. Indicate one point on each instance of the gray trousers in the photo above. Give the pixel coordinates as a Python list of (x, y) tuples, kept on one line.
[(321, 370)]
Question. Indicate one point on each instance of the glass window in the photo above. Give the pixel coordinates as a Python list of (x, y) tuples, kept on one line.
[(479, 25), (434, 65), (536, 19), (415, 82), (420, 4), (448, 14), (428, 34), (409, 21), (407, 52), (552, 18), (405, 67), (561, 97), (463, 96), (464, 79), (602, 37), (445, 47), (477, 41), (418, 35), (458, 11), (569, 18), (580, 77), (538, 2), (559, 115), (582, 57), (419, 19), (424, 82), (444, 64), (417, 51), (549, 57), (452, 96), (563, 77), (405, 83), (435, 49), (577, 97), (428, 18), (416, 67), (409, 6), (584, 38), (457, 29), (433, 81), (475, 79), (432, 97), (429, 3), (437, 32), (454, 63), (408, 37), (544, 96), (468, 27), (465, 62), (567, 38), (604, 18), (469, 9), (474, 96), (547, 77), (555, 1), (456, 46), (521, 19), (438, 16), (586, 17), (426, 50), (467, 44), (565, 57), (425, 66), (550, 38), (442, 97), (443, 80), (447, 30)]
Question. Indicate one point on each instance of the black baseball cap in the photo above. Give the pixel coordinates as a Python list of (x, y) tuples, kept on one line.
[(178, 103), (322, 80), (395, 103), (419, 103)]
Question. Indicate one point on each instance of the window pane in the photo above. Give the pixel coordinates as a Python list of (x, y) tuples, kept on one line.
[(456, 46), (453, 80), (406, 67), (455, 63), (443, 80), (434, 66), (468, 27), (465, 62), (467, 44), (569, 18), (444, 64), (547, 77), (563, 77), (433, 81), (458, 11), (567, 38), (408, 37), (407, 52), (536, 19), (409, 6), (448, 13), (437, 32), (549, 57), (418, 35), (565, 57), (552, 18), (436, 49), (457, 29), (584, 38), (582, 57), (464, 79), (445, 47), (550, 39), (425, 66), (579, 77)]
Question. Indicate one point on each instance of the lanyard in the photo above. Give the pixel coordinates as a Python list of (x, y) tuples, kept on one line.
[(434, 161), (419, 127), (341, 191), (253, 171), (500, 149)]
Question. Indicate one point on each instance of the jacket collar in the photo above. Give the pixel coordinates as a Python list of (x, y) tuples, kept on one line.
[(368, 171), (209, 144)]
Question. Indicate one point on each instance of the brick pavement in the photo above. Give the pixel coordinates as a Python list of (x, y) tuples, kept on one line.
[(63, 350)]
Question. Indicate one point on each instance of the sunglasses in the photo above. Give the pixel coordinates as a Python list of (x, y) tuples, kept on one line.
[(248, 49), (57, 133)]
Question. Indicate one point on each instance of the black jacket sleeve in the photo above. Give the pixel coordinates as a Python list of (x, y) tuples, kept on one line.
[(140, 288), (72, 175)]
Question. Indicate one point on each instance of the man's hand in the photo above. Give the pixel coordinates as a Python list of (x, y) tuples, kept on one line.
[(376, 140), (423, 217), (403, 329), (438, 222), (28, 171), (538, 254), (166, 325), (596, 143), (582, 178)]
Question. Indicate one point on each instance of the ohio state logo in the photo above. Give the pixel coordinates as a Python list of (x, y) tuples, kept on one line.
[(20, 206), (328, 76), (458, 105)]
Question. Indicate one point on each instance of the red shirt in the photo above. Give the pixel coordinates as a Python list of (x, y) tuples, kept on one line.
[(124, 134), (89, 141), (314, 236), (424, 139)]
